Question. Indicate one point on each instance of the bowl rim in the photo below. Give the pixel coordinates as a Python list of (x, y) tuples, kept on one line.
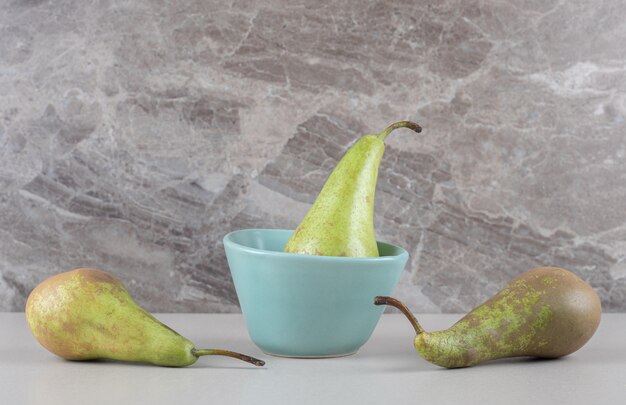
[(228, 240)]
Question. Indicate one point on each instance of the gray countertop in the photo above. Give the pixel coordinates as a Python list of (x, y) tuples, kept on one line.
[(385, 371)]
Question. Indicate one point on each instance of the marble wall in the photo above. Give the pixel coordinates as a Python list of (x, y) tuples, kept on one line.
[(135, 134)]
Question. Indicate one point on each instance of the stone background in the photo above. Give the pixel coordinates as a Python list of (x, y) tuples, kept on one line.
[(135, 134)]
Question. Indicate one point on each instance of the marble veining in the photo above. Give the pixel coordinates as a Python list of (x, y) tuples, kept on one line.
[(135, 134)]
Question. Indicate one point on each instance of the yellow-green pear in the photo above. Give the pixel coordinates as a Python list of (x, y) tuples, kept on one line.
[(341, 220), (546, 312), (87, 314)]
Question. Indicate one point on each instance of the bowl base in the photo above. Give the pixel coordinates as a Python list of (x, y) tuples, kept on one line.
[(331, 356)]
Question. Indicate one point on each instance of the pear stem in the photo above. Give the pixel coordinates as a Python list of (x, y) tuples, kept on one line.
[(400, 124), (395, 303), (218, 352)]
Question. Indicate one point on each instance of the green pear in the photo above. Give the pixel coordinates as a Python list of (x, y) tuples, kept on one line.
[(341, 220), (547, 312), (87, 314)]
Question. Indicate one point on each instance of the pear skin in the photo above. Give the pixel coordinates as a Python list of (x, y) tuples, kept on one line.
[(87, 314), (547, 312), (341, 220)]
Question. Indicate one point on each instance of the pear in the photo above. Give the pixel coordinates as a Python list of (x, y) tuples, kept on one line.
[(341, 220), (87, 314), (547, 312)]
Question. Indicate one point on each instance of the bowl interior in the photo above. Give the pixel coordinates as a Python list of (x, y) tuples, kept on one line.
[(273, 240)]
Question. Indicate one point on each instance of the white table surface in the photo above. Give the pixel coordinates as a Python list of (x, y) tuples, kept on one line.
[(386, 371)]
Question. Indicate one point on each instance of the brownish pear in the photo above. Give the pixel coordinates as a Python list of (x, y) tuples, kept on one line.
[(546, 312)]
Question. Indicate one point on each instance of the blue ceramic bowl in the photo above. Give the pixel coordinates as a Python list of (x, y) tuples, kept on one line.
[(308, 306)]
